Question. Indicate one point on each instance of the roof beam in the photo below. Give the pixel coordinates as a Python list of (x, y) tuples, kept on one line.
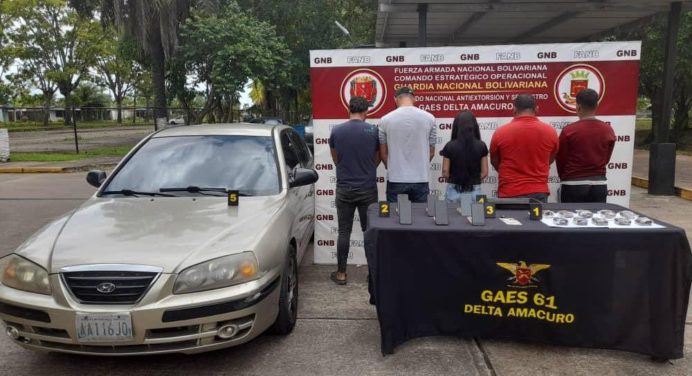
[(475, 17), (545, 26), (583, 6)]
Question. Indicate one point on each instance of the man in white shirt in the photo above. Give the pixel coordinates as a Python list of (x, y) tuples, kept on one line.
[(407, 145)]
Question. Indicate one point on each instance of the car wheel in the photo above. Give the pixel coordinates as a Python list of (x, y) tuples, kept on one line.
[(288, 298)]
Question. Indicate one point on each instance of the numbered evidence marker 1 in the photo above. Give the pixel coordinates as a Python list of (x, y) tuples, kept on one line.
[(536, 211), (489, 209), (233, 198), (383, 208), (405, 212), (477, 214), (441, 215)]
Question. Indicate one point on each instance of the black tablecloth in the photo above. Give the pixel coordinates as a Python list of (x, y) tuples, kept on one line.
[(620, 289)]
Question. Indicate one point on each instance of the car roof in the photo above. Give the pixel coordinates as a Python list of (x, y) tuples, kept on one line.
[(238, 129)]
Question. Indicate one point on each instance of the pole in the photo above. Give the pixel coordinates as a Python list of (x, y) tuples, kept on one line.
[(662, 152), (74, 127), (422, 25)]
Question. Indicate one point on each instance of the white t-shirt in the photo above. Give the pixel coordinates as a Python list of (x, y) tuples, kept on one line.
[(408, 133)]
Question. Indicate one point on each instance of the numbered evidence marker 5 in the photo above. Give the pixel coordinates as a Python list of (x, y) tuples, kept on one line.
[(233, 198), (536, 212), (383, 208), (489, 210)]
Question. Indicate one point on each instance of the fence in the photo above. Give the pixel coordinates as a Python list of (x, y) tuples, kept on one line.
[(69, 129)]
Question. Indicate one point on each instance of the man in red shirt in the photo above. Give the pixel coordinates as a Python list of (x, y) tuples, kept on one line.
[(585, 150), (522, 151)]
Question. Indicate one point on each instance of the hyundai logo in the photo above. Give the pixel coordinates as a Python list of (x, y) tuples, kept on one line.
[(105, 287)]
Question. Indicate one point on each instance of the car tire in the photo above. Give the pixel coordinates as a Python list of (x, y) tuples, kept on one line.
[(288, 298)]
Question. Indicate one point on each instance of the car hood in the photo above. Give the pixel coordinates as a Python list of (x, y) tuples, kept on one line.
[(171, 233)]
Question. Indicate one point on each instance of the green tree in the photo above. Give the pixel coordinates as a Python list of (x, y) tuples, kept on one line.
[(53, 45), (154, 26), (651, 71), (307, 25), (116, 68), (236, 47)]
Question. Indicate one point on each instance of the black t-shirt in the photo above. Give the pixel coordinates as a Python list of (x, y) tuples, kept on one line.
[(464, 165), (356, 143)]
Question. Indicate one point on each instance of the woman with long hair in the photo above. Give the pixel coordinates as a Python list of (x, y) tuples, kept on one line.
[(465, 162)]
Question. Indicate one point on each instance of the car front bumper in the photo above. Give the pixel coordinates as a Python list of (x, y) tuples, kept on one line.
[(161, 322)]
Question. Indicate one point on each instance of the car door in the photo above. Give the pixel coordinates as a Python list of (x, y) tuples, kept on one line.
[(301, 202), (307, 226)]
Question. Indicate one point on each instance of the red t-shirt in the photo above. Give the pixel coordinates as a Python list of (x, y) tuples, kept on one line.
[(524, 147), (585, 149)]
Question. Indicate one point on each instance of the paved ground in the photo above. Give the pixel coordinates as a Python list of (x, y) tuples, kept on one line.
[(683, 168), (63, 140), (337, 332)]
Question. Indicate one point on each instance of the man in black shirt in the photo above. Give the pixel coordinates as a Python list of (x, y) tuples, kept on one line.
[(354, 147)]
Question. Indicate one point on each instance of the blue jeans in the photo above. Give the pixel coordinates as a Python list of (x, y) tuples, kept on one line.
[(452, 195), (417, 192)]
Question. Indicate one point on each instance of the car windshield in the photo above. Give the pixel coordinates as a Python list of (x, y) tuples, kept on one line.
[(243, 163)]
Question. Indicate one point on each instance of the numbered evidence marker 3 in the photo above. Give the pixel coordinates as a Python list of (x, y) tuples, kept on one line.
[(536, 211), (405, 212), (383, 208), (441, 215), (489, 210), (233, 198)]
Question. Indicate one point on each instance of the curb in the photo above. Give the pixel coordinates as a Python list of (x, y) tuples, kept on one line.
[(51, 170), (684, 193)]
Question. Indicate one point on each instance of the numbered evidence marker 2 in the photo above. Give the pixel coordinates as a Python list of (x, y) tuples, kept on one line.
[(233, 198), (489, 209), (383, 208), (536, 211), (405, 212), (441, 215)]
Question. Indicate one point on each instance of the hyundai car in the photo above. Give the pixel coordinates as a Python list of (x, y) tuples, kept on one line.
[(191, 244)]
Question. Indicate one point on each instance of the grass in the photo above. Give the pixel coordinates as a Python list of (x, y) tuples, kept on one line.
[(116, 151), (27, 126), (642, 130)]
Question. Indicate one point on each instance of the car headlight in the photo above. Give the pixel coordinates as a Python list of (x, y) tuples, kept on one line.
[(217, 273), (22, 274)]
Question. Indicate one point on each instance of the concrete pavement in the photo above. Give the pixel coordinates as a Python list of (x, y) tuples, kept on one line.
[(337, 332)]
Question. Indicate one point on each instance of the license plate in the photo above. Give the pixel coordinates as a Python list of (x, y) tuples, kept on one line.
[(103, 327)]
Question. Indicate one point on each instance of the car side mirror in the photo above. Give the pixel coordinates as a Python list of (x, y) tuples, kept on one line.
[(302, 176), (96, 178)]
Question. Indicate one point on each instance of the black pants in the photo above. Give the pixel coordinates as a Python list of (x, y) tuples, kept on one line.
[(583, 193), (347, 201)]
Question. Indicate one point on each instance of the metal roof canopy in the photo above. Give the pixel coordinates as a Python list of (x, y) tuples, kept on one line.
[(474, 22), (411, 23)]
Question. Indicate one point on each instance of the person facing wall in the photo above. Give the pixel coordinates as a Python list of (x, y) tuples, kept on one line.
[(522, 150), (585, 149), (465, 158), (407, 145), (354, 146)]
